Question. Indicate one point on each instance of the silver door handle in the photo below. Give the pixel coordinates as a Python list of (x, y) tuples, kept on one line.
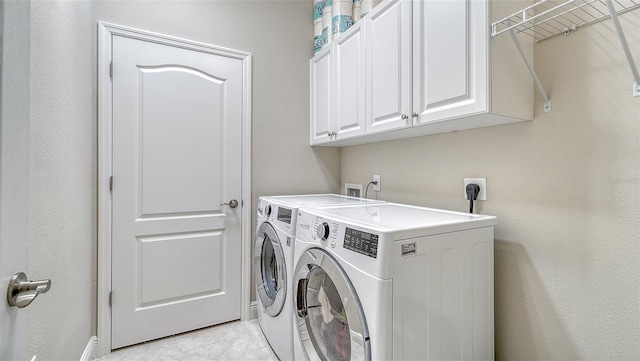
[(232, 203), (22, 292)]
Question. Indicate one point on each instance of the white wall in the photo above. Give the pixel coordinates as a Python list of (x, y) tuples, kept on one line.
[(14, 168), (63, 151), (62, 184), (565, 188)]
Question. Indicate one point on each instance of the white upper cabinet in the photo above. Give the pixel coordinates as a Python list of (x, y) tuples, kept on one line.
[(389, 66), (321, 92), (338, 88), (449, 59), (349, 83), (431, 67)]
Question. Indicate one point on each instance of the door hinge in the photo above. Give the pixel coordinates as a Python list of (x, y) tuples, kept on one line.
[(111, 69), (110, 298), (111, 183)]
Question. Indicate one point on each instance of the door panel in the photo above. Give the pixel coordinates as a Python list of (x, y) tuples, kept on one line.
[(321, 97), (177, 123), (180, 112), (446, 57), (389, 66), (199, 262), (349, 82), (449, 59)]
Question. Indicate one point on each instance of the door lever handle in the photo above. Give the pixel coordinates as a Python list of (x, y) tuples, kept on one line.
[(232, 203), (22, 292)]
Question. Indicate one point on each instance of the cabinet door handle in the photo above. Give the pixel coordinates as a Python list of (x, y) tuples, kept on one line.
[(404, 117), (415, 115)]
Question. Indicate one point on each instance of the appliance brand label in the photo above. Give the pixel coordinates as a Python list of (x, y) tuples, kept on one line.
[(409, 248)]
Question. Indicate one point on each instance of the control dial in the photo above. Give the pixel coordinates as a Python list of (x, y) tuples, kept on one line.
[(267, 210), (323, 231)]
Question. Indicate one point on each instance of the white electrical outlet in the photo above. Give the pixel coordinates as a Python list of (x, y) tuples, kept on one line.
[(482, 182), (376, 178)]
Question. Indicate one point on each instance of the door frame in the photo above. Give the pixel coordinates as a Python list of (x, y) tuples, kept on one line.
[(106, 32)]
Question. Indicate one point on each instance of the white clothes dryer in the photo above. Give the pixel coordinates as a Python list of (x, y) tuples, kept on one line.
[(273, 262), (393, 282)]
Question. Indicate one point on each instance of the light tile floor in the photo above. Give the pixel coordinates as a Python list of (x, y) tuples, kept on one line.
[(241, 341)]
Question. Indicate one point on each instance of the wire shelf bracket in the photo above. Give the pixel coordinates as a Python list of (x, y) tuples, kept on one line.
[(625, 48), (548, 18), (536, 80)]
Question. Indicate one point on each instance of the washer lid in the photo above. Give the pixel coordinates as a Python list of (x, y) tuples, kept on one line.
[(393, 217)]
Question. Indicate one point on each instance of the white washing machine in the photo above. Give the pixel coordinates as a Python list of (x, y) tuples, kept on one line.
[(273, 262), (393, 282)]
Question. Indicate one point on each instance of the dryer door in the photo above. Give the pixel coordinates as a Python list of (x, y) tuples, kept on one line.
[(330, 320), (270, 272)]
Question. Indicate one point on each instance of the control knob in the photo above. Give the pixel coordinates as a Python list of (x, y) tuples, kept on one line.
[(323, 231)]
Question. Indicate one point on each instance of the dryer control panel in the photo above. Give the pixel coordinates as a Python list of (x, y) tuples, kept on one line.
[(359, 246), (360, 241), (337, 235)]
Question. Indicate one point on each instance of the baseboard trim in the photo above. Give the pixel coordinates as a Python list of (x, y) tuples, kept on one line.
[(90, 350), (253, 310)]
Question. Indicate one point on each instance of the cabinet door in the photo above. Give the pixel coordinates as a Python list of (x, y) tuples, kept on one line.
[(449, 59), (349, 82), (321, 97), (389, 66)]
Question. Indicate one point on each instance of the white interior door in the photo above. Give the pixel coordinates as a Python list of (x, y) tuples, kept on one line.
[(177, 156), (14, 168)]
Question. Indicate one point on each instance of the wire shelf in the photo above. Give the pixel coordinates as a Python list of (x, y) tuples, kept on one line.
[(548, 18)]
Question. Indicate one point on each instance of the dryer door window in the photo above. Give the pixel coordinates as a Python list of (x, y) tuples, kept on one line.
[(270, 273), (334, 327)]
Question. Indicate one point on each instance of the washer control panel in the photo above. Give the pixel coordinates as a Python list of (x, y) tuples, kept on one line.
[(322, 231), (325, 230), (267, 210)]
